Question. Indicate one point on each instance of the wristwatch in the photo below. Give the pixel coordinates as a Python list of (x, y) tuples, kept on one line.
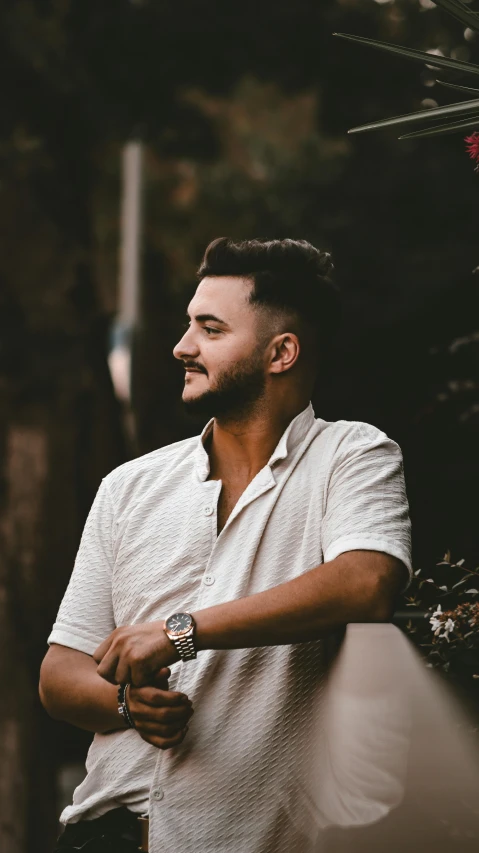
[(180, 629)]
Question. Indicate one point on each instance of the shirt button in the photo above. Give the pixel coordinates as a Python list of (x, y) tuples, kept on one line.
[(209, 580), (209, 510), (158, 794)]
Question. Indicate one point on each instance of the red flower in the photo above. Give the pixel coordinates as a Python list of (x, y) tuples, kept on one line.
[(472, 147)]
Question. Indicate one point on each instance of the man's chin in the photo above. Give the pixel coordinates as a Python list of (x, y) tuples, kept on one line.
[(232, 398), (199, 406)]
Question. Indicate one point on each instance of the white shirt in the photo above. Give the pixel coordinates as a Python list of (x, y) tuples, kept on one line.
[(150, 548)]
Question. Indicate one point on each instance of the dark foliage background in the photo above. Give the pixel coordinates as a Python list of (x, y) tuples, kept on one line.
[(244, 111)]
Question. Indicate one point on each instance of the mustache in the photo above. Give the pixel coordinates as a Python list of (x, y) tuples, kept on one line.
[(193, 365)]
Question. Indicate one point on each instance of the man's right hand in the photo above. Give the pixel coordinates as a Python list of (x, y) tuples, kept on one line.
[(71, 690), (160, 715)]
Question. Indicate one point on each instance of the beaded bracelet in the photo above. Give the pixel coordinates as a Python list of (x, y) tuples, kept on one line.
[(123, 709)]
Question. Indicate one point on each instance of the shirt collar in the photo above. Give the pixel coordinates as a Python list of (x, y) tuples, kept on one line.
[(294, 434)]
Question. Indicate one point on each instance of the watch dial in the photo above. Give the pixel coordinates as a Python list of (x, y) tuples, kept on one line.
[(179, 622)]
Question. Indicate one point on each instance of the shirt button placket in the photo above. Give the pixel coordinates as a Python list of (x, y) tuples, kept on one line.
[(209, 511), (158, 794)]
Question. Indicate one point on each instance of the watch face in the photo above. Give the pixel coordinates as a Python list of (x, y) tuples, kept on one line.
[(179, 623)]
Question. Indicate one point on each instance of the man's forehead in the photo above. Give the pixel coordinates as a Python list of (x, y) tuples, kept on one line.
[(224, 296)]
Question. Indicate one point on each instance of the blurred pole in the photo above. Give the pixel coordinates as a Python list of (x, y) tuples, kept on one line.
[(130, 269), (130, 232)]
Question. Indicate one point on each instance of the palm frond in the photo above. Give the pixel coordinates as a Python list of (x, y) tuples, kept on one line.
[(440, 129), (461, 12), (421, 115), (414, 55), (457, 87)]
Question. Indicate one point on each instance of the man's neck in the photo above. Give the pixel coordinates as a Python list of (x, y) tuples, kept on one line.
[(239, 450)]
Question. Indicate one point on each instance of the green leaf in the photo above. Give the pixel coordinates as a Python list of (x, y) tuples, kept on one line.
[(422, 115), (459, 583), (415, 55), (439, 129), (456, 86), (460, 11)]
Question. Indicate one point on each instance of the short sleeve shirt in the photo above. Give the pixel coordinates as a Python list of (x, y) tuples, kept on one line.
[(150, 547)]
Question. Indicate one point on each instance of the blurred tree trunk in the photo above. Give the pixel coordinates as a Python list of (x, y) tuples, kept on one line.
[(60, 433), (54, 453)]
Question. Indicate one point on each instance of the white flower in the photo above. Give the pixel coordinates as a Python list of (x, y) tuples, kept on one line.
[(435, 621), (448, 628), (438, 626)]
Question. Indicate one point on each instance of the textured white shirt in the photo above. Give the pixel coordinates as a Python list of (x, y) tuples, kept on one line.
[(150, 548)]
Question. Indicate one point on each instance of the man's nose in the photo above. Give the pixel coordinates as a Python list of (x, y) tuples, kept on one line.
[(186, 347)]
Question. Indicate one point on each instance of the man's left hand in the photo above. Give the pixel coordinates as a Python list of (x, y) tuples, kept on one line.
[(134, 654)]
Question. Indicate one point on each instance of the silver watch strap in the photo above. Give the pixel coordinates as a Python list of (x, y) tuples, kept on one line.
[(186, 647)]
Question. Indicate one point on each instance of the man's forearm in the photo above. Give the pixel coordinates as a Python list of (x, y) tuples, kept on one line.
[(360, 586), (355, 587), (72, 691)]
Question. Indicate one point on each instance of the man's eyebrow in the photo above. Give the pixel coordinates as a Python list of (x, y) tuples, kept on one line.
[(203, 318)]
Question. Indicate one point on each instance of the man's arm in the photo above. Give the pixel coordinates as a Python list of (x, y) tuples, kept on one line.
[(357, 586), (71, 690)]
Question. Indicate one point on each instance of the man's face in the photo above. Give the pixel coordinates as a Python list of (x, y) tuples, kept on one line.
[(222, 350)]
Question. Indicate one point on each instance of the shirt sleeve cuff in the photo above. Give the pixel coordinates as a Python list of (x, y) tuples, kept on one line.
[(65, 636), (370, 544)]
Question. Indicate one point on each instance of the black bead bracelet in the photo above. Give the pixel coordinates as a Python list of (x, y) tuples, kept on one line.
[(123, 709)]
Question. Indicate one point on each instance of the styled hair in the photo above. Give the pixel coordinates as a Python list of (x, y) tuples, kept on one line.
[(289, 276)]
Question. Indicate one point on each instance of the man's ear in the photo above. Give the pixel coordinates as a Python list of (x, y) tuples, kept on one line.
[(285, 351)]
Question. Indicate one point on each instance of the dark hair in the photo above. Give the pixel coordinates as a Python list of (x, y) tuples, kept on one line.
[(288, 275)]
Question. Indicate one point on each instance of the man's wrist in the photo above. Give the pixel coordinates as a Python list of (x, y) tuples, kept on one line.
[(180, 630), (175, 656), (199, 634)]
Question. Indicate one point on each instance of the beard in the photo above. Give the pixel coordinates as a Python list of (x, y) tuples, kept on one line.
[(236, 394)]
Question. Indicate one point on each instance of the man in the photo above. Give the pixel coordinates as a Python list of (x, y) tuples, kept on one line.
[(254, 541)]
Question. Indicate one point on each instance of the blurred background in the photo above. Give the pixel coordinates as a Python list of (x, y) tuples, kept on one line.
[(133, 133)]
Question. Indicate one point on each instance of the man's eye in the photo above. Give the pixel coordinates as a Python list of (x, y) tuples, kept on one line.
[(209, 329)]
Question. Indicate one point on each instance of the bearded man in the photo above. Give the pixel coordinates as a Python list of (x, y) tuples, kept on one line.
[(211, 571)]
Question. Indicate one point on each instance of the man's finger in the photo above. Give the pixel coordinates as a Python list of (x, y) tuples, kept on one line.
[(167, 715), (158, 698), (165, 743), (102, 649), (165, 731), (163, 716), (123, 673), (108, 666), (161, 677), (139, 674)]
